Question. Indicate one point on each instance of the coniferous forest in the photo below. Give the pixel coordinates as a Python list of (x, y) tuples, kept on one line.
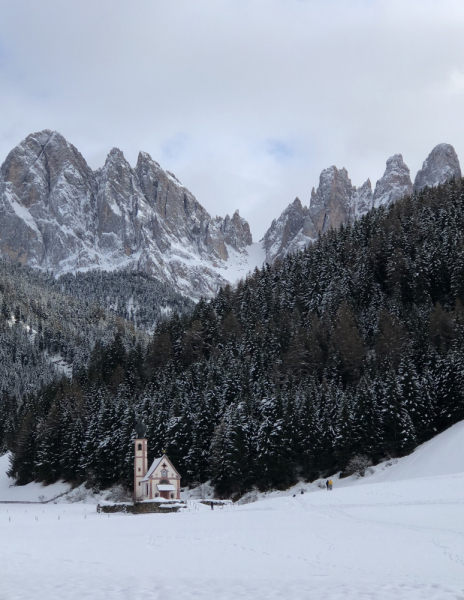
[(49, 326), (355, 345)]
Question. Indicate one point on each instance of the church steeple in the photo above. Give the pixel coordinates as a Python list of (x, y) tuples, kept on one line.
[(140, 459)]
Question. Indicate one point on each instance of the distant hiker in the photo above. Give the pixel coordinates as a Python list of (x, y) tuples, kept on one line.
[(330, 484), (302, 491), (327, 484), (212, 505)]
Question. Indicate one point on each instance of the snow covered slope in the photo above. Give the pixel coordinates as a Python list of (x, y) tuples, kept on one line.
[(33, 492), (441, 456), (400, 538)]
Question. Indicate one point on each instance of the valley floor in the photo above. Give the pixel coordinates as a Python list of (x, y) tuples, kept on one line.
[(387, 540), (392, 536)]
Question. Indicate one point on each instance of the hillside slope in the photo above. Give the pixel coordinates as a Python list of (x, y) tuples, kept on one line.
[(49, 327), (443, 455)]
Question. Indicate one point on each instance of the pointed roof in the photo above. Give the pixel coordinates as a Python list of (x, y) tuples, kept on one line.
[(155, 464)]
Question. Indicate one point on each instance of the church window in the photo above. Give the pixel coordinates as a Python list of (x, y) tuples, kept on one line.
[(164, 473), (139, 468), (139, 447)]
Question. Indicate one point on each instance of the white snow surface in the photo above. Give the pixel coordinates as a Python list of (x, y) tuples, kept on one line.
[(26, 493), (239, 264), (397, 534)]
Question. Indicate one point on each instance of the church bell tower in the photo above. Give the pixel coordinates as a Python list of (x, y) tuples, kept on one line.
[(140, 459)]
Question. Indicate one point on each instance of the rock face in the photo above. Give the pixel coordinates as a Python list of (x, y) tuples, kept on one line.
[(395, 183), (337, 202), (57, 214), (291, 231), (235, 230), (332, 203), (48, 202), (441, 165), (363, 199)]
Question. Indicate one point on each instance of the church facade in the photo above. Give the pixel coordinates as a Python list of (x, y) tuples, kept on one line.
[(161, 480)]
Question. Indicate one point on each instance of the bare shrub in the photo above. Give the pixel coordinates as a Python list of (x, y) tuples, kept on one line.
[(78, 495), (118, 494), (358, 465)]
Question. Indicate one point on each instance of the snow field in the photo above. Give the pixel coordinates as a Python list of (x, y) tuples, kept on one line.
[(394, 535), (382, 541)]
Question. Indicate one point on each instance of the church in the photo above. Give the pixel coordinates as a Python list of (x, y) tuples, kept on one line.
[(161, 480)]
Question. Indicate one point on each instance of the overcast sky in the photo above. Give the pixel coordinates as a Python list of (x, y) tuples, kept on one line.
[(246, 101)]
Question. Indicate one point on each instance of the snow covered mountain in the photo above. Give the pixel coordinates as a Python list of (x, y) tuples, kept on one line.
[(289, 232), (57, 214), (336, 201), (394, 184), (441, 165)]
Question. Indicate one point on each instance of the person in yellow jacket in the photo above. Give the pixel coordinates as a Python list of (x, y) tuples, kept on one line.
[(330, 484)]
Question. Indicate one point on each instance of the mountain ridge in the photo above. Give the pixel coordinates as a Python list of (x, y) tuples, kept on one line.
[(337, 202), (58, 215)]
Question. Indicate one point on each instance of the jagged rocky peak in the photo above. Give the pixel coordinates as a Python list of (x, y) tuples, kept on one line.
[(236, 231), (441, 165), (363, 199), (118, 200), (336, 201), (149, 174), (38, 164), (292, 230), (395, 182), (57, 214), (332, 203), (183, 217), (47, 205)]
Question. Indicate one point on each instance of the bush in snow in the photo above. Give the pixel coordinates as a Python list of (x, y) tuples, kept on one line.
[(118, 493), (248, 498), (358, 465)]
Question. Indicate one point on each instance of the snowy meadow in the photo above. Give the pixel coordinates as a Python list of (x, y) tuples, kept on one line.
[(395, 534)]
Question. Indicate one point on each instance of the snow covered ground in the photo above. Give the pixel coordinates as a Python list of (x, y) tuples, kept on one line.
[(239, 264), (397, 534), (34, 492)]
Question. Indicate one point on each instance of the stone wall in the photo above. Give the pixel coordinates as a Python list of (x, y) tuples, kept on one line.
[(139, 508)]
